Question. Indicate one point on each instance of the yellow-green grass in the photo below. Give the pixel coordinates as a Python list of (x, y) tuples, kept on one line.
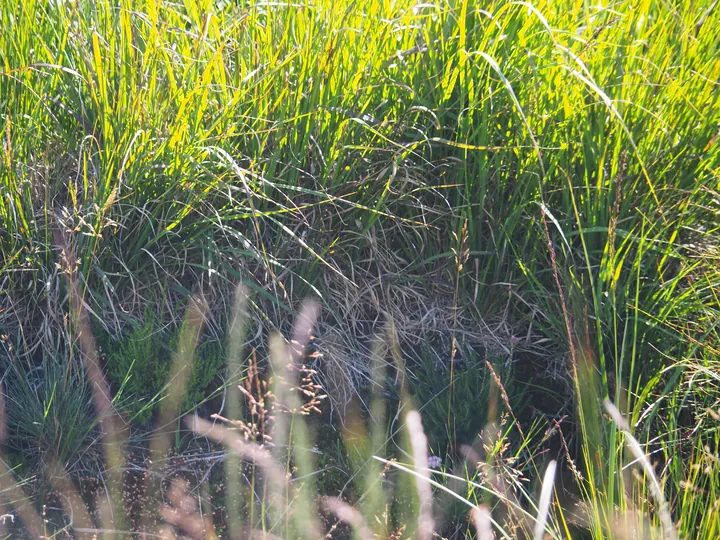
[(281, 143)]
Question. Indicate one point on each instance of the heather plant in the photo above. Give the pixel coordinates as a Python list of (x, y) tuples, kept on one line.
[(139, 366)]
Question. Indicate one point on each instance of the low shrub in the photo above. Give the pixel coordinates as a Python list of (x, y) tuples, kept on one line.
[(139, 367)]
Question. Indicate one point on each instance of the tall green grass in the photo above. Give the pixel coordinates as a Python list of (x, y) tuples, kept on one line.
[(287, 144)]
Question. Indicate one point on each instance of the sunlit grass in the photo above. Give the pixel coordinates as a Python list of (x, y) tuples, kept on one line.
[(286, 145)]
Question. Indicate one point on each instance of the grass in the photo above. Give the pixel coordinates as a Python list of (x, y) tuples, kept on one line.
[(531, 184)]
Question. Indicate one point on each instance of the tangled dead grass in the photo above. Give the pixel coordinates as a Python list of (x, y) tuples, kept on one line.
[(427, 301), (380, 287)]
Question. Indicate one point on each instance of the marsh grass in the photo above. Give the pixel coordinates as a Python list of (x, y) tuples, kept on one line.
[(538, 180)]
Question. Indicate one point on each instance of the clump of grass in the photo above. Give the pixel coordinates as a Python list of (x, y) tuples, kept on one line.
[(470, 389), (49, 416)]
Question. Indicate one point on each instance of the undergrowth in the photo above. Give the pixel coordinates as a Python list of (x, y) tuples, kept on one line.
[(139, 366), (534, 181)]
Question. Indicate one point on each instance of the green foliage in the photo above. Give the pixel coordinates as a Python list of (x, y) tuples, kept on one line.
[(139, 366), (210, 359), (453, 413), (296, 141), (50, 414)]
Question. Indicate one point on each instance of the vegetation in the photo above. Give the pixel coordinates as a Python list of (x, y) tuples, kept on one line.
[(509, 210), (49, 416), (140, 367)]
